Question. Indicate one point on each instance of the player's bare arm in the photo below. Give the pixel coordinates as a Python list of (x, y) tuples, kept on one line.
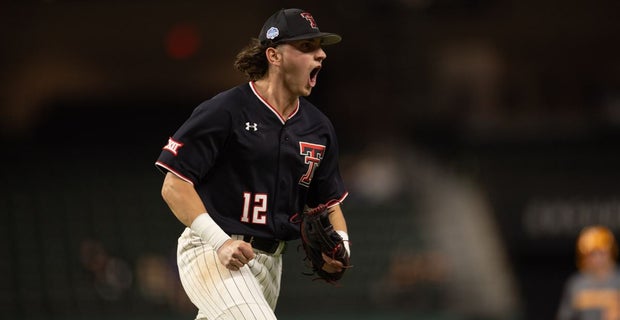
[(186, 205), (336, 217), (182, 199)]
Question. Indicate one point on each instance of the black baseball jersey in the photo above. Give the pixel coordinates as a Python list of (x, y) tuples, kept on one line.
[(252, 168)]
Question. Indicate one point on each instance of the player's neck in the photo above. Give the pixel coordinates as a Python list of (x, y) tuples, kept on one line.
[(277, 96)]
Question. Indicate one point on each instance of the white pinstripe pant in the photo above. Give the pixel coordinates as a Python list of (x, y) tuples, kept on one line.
[(219, 293)]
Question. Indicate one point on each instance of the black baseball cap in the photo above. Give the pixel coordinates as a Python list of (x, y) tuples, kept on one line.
[(294, 24)]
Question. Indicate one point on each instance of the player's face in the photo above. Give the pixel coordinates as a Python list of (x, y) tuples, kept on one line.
[(301, 62)]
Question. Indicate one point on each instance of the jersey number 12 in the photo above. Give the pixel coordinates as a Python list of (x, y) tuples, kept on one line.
[(254, 208)]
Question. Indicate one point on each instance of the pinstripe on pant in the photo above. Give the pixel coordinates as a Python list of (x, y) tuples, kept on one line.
[(219, 293)]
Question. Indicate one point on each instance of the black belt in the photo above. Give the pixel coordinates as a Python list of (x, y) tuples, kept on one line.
[(263, 244)]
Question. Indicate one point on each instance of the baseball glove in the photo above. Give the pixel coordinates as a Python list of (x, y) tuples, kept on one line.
[(318, 236)]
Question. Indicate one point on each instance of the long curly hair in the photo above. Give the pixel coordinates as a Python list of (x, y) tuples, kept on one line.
[(252, 61)]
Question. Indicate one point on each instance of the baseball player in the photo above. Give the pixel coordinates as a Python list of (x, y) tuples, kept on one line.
[(244, 163), (594, 291)]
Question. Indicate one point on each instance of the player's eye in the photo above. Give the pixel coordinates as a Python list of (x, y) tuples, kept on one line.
[(308, 45)]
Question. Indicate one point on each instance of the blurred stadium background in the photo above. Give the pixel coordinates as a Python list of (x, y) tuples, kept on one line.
[(478, 137)]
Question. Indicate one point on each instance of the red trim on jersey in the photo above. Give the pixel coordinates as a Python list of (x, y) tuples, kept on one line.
[(165, 166), (334, 202), (272, 108)]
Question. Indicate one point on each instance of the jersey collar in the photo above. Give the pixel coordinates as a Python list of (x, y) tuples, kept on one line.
[(272, 108)]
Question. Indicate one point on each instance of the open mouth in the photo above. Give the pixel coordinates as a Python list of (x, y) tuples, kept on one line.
[(313, 75)]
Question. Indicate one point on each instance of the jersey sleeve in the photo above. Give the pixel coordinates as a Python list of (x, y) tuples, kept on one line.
[(327, 184), (192, 150)]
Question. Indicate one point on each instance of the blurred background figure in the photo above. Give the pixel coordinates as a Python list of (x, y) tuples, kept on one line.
[(593, 292)]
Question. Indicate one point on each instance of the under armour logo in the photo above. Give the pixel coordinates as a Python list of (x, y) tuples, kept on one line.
[(173, 146), (249, 126)]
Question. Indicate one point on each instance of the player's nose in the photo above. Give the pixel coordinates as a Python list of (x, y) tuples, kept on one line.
[(320, 54)]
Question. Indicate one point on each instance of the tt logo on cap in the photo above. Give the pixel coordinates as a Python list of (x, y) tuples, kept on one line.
[(273, 32), (308, 16)]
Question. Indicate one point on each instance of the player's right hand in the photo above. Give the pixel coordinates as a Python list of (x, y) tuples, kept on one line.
[(234, 254)]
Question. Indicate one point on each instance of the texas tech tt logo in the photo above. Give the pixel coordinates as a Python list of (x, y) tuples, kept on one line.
[(313, 154), (308, 16)]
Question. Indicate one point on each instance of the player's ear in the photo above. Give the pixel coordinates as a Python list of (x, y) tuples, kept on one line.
[(273, 55)]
